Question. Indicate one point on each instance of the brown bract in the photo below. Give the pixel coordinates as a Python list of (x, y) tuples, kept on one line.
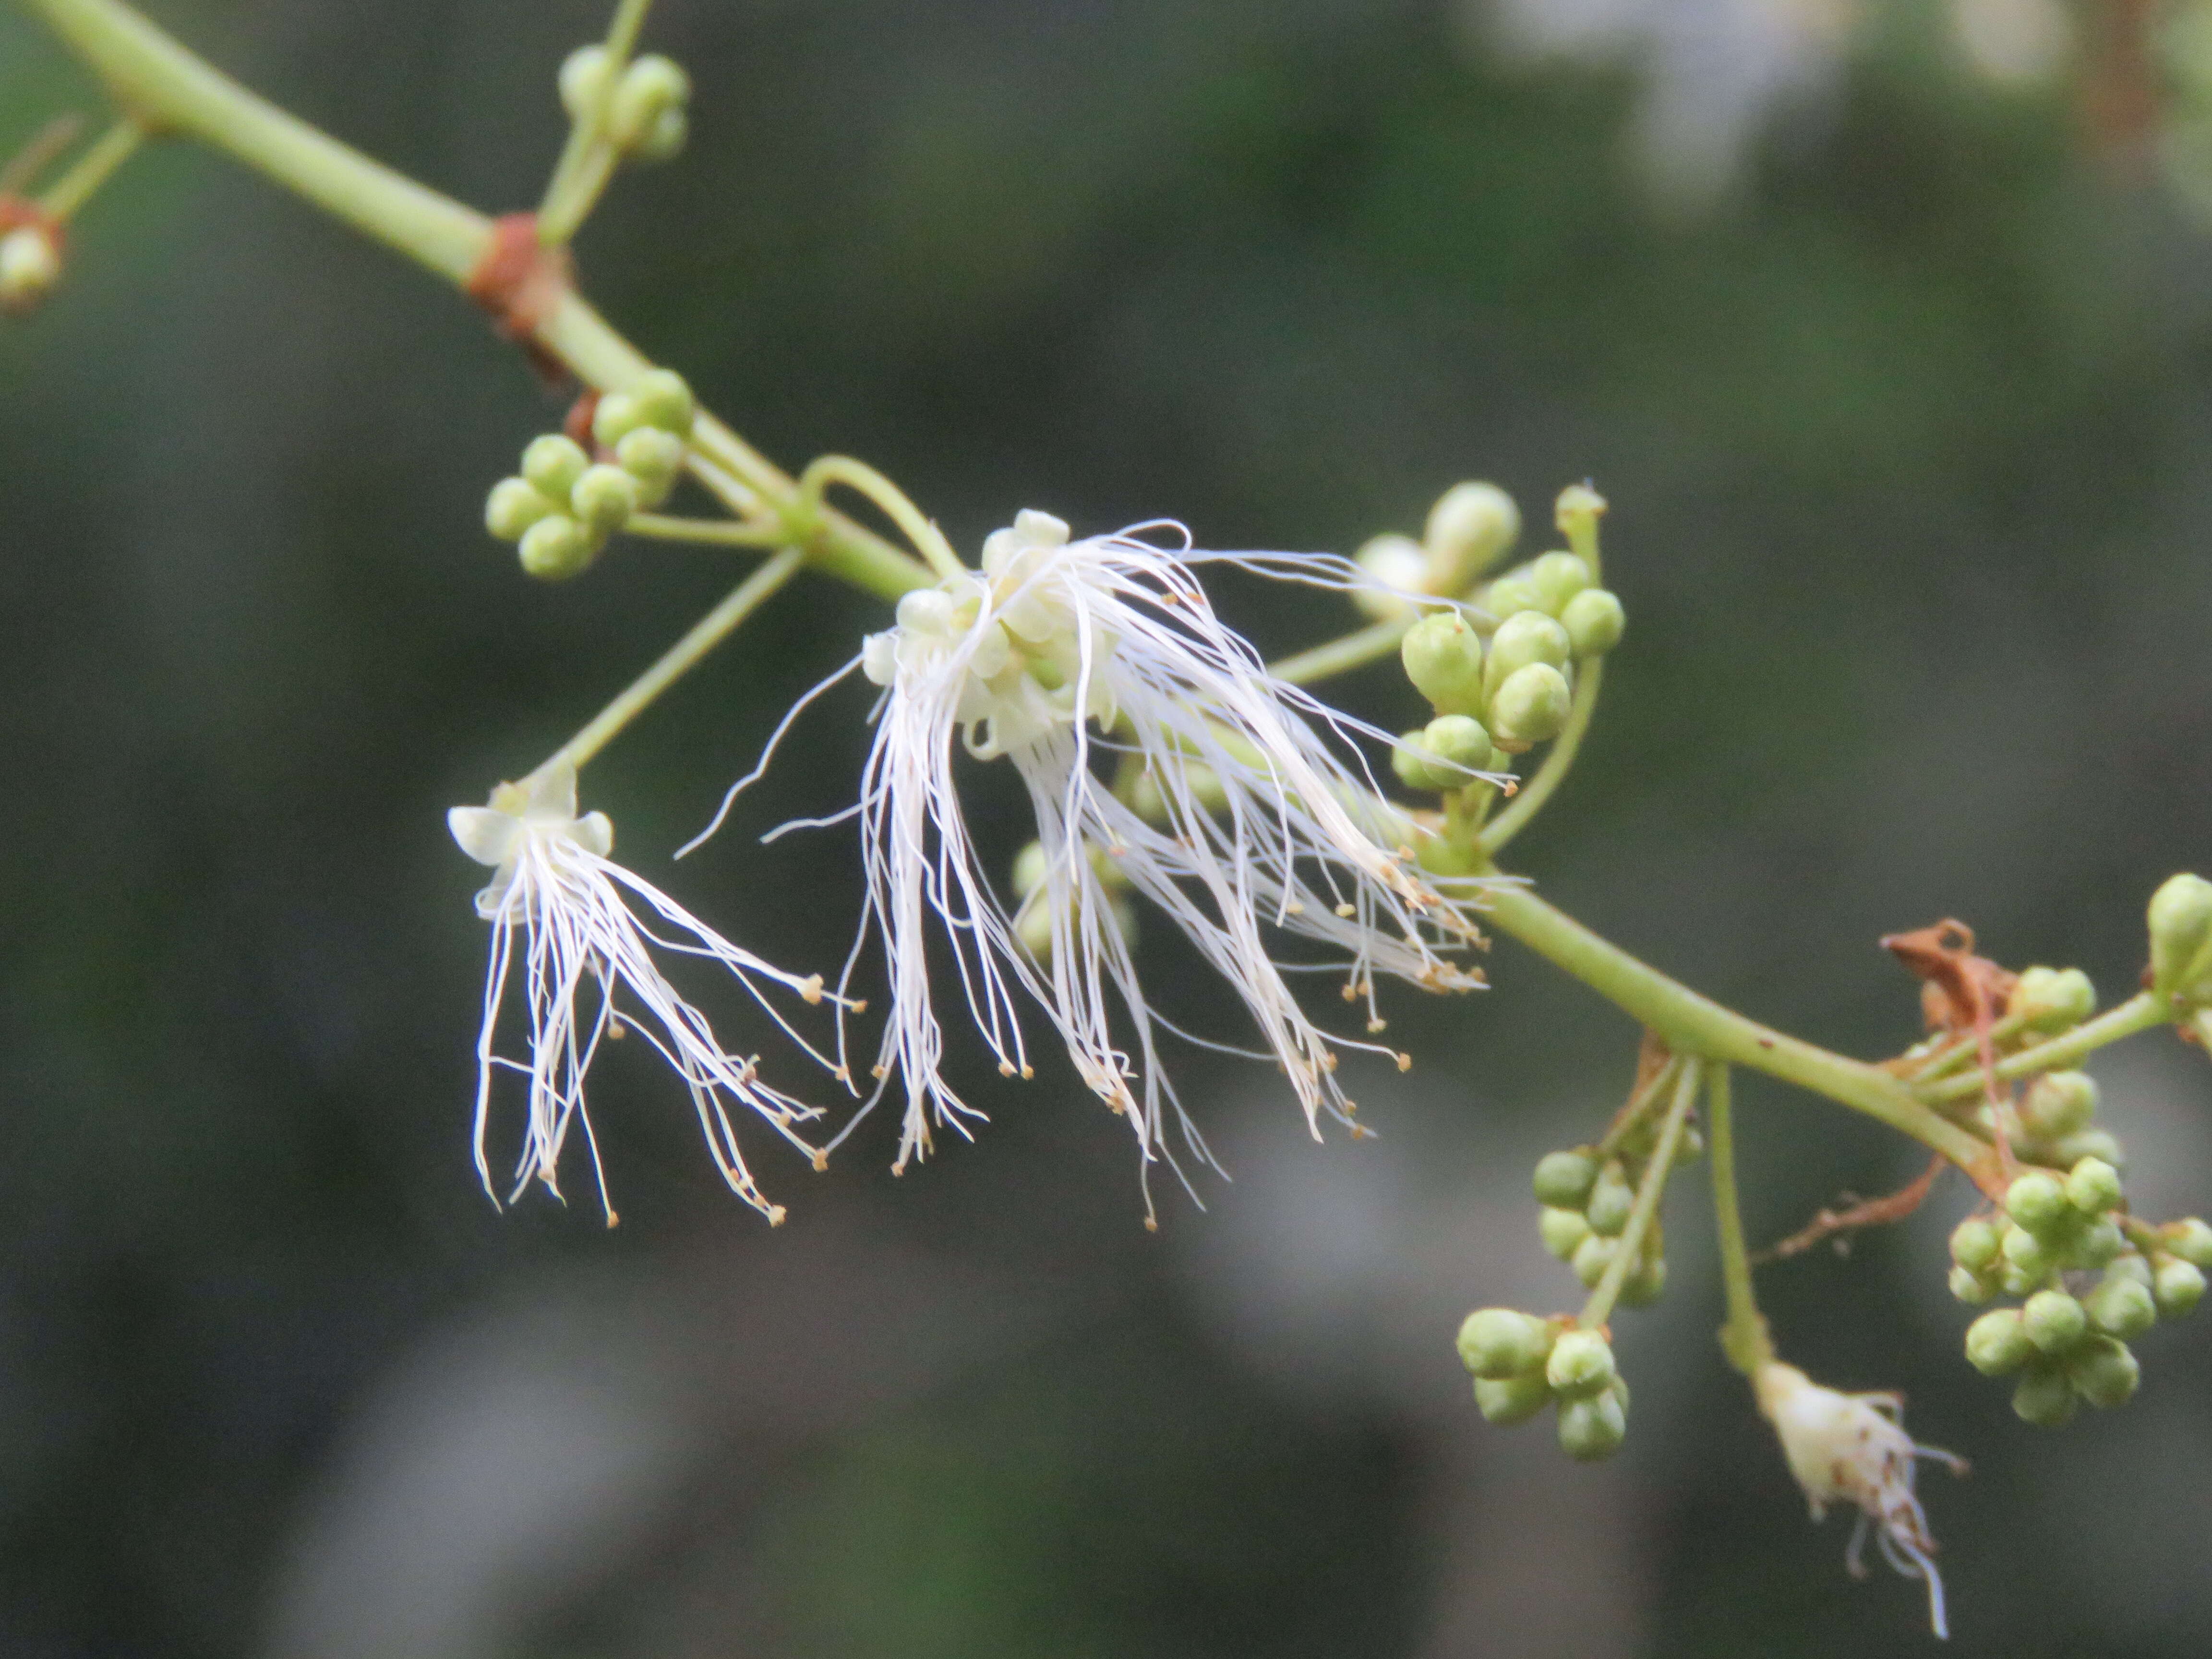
[(520, 281)]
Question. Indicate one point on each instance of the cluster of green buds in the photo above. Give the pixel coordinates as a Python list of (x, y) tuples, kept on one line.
[(1587, 1195), (1469, 528), (646, 105), (1497, 695), (565, 503), (2181, 953), (1521, 1363), (2070, 1346), (30, 265)]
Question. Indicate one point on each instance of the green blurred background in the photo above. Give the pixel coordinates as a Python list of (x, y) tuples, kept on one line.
[(1892, 347)]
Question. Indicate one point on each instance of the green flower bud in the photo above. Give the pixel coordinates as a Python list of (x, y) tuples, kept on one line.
[(1510, 595), (30, 265), (1646, 1282), (1469, 531), (1557, 578), (556, 548), (2017, 1280), (2044, 1397), (664, 139), (654, 459), (2121, 1307), (2059, 1104), (1444, 659), (1566, 1178), (1031, 866), (2025, 1251), (1409, 759), (2069, 1150), (2104, 1372), (583, 78), (513, 506), (2130, 1266), (1969, 1286), (2037, 1201), (1526, 636), (1033, 927), (1592, 1257), (2052, 998), (1576, 512), (2055, 1320), (2178, 1286), (649, 87), (2093, 1187), (665, 401), (1392, 562), (1595, 623), (554, 464), (603, 500), (1593, 1429), (2181, 939), (2189, 1239), (1501, 1342), (1611, 1200), (1581, 1365), (1532, 706), (1459, 742), (1975, 1242), (1562, 1230), (2096, 1244), (1516, 1400), (615, 417), (1997, 1343)]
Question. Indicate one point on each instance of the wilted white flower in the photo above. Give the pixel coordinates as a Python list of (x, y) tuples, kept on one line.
[(587, 929), (1853, 1448), (1266, 818)]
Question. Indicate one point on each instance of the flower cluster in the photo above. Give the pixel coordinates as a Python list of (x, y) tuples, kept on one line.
[(566, 502)]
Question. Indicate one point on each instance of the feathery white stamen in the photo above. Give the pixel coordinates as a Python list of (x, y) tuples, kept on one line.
[(588, 927), (1263, 821), (1853, 1448)]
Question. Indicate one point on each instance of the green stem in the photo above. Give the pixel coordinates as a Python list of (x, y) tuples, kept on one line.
[(1639, 1103), (1537, 790), (1690, 1023), (2138, 1013), (708, 532), (93, 169), (1340, 656), (679, 659), (1599, 1308), (587, 160), (1744, 1338)]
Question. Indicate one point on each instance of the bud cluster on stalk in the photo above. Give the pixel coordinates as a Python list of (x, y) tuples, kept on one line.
[(565, 502), (2068, 1340), (2181, 953), (1587, 1193), (646, 104), (1521, 1363)]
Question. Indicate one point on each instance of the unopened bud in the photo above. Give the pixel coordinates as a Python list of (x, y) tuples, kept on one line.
[(2189, 1239), (2121, 1307), (1469, 528), (2180, 919), (1458, 746), (2069, 1150), (1646, 1283), (583, 78), (654, 459), (1525, 637), (1595, 623), (615, 417), (1969, 1286), (1501, 1342), (2178, 1286), (1532, 706), (1997, 1343), (2096, 1244), (1562, 1230), (1592, 1257), (2044, 1397), (2104, 1372), (664, 400), (513, 506), (1410, 761), (603, 499), (1513, 1401), (2058, 1104), (1557, 578), (554, 463), (1390, 562), (649, 89), (1975, 1242), (2037, 1201), (664, 139), (1576, 512), (2052, 998), (556, 548), (1581, 1365), (1565, 1179), (2093, 1187), (30, 265), (1031, 866), (1610, 1200), (1511, 594), (1444, 659), (2055, 1320), (1593, 1429)]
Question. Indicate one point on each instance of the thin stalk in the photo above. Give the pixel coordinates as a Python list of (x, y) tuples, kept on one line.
[(1639, 1103), (679, 659), (928, 540), (1744, 1338), (1691, 1023), (1537, 790), (94, 168), (709, 533), (1340, 656), (2138, 1013), (587, 160), (1599, 1308)]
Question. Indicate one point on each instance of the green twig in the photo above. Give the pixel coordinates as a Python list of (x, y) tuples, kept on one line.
[(1629, 1246), (2138, 1013), (1744, 1338), (1340, 656), (587, 160), (91, 170)]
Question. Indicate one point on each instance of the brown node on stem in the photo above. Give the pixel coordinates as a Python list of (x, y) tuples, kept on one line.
[(519, 282), (17, 212), (1960, 993), (576, 426)]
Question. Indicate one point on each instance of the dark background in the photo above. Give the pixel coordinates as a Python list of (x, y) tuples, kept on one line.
[(1899, 378)]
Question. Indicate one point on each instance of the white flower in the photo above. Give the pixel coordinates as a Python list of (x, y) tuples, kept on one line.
[(1266, 818), (583, 934), (1853, 1448)]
